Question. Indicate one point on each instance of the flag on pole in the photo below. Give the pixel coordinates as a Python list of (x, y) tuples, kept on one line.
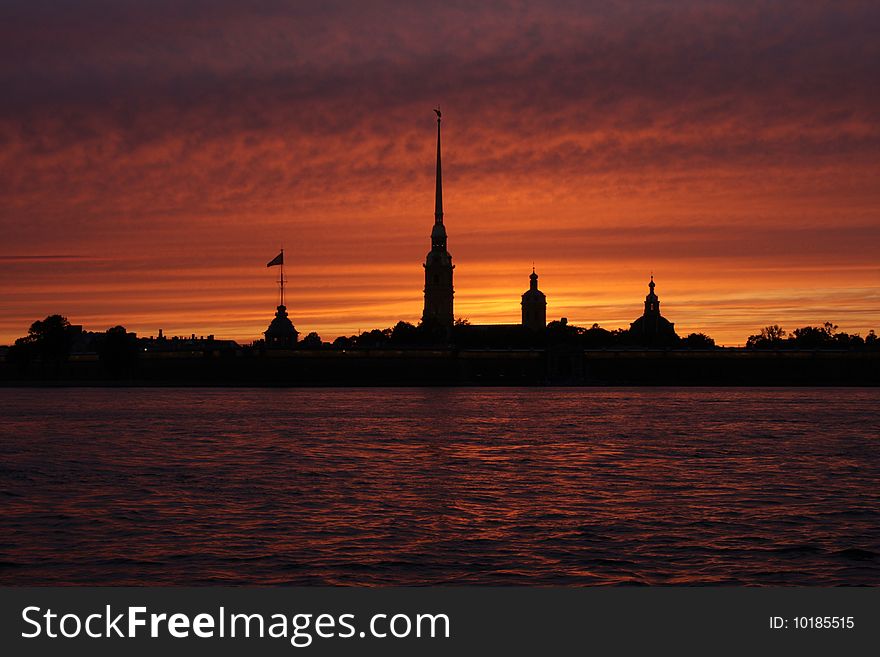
[(277, 260)]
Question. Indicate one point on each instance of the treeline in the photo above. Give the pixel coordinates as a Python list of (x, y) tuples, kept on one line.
[(53, 339), (503, 336), (811, 337)]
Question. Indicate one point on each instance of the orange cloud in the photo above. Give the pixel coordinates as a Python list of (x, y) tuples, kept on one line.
[(731, 149)]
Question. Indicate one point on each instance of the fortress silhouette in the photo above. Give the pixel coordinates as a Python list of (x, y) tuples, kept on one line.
[(441, 350), (438, 316)]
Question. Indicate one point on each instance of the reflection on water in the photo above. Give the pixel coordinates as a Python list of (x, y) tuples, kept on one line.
[(440, 486)]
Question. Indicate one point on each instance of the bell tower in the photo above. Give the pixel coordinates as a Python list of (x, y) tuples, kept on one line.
[(438, 265), (652, 302), (534, 306)]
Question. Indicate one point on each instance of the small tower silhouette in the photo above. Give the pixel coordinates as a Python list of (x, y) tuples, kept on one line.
[(652, 329), (652, 303), (281, 332), (534, 306)]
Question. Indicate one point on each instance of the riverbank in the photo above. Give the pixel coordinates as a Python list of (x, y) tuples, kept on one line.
[(406, 367)]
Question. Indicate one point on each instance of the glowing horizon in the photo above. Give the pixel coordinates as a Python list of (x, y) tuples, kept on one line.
[(156, 158)]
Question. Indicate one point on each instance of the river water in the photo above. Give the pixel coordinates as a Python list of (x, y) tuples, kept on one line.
[(420, 486)]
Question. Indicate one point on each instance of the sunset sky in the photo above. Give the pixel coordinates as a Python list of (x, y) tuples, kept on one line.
[(155, 155)]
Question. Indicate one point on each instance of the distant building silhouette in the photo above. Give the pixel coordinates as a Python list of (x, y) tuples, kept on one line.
[(162, 343), (438, 312), (525, 335), (534, 306), (652, 329), (281, 332)]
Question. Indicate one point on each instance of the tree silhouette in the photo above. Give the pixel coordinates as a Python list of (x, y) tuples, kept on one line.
[(49, 339), (118, 351), (698, 341), (768, 338), (312, 341), (404, 334)]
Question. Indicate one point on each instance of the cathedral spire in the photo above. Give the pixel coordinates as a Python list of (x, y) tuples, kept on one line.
[(438, 199), (438, 264)]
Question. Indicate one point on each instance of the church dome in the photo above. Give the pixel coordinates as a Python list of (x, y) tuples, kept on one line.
[(281, 331), (533, 292), (652, 329)]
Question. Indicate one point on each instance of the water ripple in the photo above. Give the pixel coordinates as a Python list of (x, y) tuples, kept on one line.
[(622, 487)]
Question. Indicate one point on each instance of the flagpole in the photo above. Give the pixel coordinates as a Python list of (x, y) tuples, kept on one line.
[(282, 277)]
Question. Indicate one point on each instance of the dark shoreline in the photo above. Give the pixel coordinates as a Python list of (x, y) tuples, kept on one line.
[(475, 367)]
